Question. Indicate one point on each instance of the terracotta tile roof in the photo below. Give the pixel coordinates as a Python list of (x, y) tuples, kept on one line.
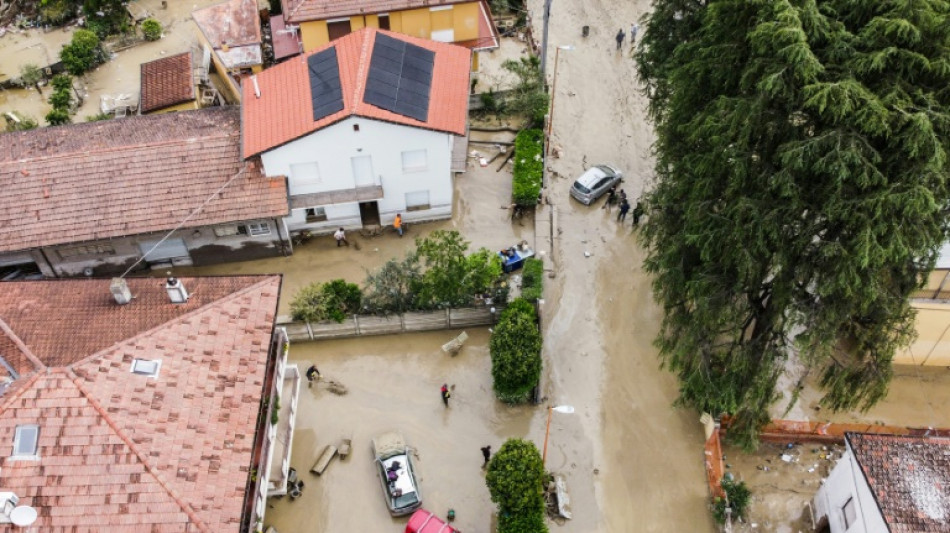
[(909, 478), (129, 176), (124, 452), (166, 82), (284, 111), (304, 10), (235, 22)]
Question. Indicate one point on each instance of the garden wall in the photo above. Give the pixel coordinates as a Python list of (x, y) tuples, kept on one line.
[(361, 325)]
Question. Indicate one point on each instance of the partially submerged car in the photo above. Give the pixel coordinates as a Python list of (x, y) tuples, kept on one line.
[(396, 474), (595, 182), (423, 521)]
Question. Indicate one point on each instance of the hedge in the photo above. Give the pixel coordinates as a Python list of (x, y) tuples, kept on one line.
[(532, 279), (526, 179), (515, 347)]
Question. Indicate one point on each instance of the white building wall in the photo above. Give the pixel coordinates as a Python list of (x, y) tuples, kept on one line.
[(846, 481), (333, 148)]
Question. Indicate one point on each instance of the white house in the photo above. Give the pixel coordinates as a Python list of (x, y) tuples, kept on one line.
[(364, 127), (887, 483)]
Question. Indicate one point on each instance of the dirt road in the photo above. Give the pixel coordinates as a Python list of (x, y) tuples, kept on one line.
[(634, 462)]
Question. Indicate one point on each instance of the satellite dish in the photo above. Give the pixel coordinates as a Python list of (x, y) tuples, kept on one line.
[(23, 516)]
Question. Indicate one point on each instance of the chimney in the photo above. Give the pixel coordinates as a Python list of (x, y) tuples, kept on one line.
[(120, 291), (176, 291)]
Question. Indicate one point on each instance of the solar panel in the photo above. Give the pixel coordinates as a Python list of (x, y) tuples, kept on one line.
[(400, 77), (326, 94)]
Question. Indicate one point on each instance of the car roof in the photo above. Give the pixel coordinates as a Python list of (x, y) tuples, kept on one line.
[(591, 177)]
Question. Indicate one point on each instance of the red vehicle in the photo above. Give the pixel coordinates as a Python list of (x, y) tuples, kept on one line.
[(423, 521)]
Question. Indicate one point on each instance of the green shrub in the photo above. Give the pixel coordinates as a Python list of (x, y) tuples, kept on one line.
[(62, 82), (529, 165), (57, 117), (30, 75), (56, 12), (528, 98), (82, 53), (334, 300), (515, 347), (391, 289), (489, 102), (739, 497), (106, 17), (515, 479), (151, 29), (523, 523), (25, 123), (98, 116), (532, 279)]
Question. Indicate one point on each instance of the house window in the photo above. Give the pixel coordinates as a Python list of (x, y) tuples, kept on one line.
[(226, 231), (316, 214), (256, 229), (146, 367), (414, 161), (26, 440), (849, 513), (417, 201), (86, 250), (356, 127)]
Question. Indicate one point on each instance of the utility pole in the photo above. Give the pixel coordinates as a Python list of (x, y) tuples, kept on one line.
[(544, 40)]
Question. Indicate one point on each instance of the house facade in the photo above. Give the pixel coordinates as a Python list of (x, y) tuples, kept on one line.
[(149, 191), (887, 483), (463, 22), (355, 150), (143, 404), (931, 346)]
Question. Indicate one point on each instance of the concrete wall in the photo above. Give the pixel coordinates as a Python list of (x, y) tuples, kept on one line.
[(333, 148), (114, 256), (932, 345), (846, 481)]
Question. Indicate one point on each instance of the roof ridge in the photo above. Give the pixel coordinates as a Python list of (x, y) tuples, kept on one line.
[(6, 329), (179, 318), (363, 67), (112, 149), (187, 509)]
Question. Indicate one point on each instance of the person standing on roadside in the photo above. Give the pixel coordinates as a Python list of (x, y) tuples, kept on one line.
[(486, 453), (445, 394), (634, 30), (637, 213), (620, 38), (397, 223), (624, 207), (340, 237)]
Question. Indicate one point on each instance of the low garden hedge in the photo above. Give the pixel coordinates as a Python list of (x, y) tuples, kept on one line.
[(529, 165), (532, 279), (515, 347)]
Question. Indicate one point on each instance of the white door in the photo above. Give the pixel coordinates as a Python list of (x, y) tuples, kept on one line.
[(169, 249), (363, 171)]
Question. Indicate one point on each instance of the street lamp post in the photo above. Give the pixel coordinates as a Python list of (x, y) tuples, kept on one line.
[(557, 53), (566, 409), (544, 40)]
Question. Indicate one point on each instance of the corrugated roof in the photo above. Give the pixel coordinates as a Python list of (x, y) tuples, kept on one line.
[(284, 110), (909, 478), (129, 176), (304, 10), (166, 82), (124, 452)]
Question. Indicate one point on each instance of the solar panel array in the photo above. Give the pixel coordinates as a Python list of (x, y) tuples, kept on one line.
[(326, 94), (400, 77)]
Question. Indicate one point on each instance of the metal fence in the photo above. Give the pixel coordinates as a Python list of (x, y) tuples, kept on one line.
[(360, 325)]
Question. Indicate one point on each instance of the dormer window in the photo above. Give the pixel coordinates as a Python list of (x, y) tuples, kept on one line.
[(146, 367), (26, 441)]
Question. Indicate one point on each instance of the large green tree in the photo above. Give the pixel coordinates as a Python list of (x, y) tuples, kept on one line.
[(801, 191)]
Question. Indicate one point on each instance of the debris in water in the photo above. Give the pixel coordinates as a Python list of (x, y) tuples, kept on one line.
[(455, 345), (336, 387), (787, 458), (586, 253)]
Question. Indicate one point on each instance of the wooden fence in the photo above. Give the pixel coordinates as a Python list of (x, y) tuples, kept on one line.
[(360, 325)]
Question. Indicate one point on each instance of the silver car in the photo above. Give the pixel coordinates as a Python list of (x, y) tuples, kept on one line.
[(394, 467), (595, 183)]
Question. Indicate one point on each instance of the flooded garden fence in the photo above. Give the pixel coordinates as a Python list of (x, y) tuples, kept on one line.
[(361, 325)]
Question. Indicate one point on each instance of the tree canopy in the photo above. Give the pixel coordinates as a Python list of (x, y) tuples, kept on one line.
[(801, 191)]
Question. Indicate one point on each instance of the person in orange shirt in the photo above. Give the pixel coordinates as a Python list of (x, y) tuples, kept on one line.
[(397, 223)]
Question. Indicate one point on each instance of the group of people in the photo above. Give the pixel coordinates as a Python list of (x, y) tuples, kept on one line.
[(340, 234), (613, 196), (634, 29)]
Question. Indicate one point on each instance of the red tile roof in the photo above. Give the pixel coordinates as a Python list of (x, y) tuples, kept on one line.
[(235, 22), (129, 176), (304, 10), (123, 452), (284, 111), (909, 478), (166, 82)]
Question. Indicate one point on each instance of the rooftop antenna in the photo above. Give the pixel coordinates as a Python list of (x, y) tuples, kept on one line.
[(23, 516)]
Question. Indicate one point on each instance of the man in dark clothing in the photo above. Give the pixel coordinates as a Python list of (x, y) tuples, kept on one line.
[(620, 37), (624, 207), (445, 394), (312, 374), (637, 213), (611, 198), (486, 453)]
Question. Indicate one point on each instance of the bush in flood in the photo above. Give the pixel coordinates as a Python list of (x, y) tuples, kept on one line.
[(515, 347)]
